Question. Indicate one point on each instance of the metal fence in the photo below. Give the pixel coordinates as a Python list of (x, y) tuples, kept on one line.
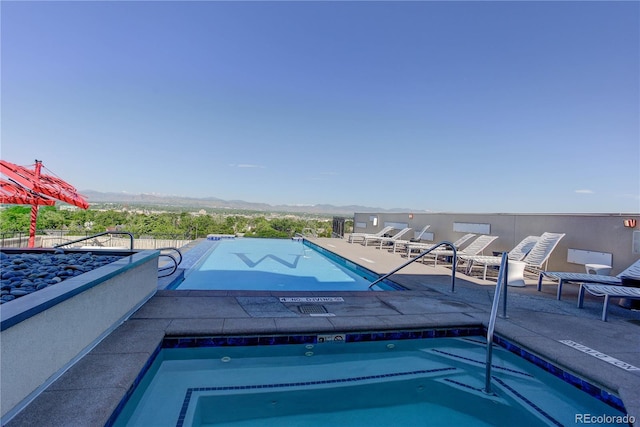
[(48, 239)]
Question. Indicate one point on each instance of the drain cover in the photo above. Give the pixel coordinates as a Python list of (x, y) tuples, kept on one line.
[(312, 309)]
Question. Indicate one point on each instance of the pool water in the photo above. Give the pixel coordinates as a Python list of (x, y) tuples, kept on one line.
[(276, 264), (435, 382)]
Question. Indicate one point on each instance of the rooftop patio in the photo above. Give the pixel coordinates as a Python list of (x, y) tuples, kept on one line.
[(89, 392)]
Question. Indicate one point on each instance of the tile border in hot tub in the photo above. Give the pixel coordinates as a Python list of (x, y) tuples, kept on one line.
[(353, 337)]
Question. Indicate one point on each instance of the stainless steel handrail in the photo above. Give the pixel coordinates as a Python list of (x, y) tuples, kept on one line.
[(502, 279), (98, 235), (169, 248), (173, 267), (437, 245), (176, 262)]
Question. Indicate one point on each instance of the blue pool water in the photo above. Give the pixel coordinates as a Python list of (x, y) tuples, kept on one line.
[(436, 381), (276, 264)]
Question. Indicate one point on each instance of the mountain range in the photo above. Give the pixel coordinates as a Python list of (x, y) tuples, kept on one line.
[(215, 203)]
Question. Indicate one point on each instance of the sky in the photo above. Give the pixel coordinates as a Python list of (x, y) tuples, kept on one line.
[(485, 106)]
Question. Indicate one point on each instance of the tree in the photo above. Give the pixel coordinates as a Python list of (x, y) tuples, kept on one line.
[(15, 218), (49, 218)]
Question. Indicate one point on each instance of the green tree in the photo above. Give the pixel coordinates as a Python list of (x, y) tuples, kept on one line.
[(108, 219), (49, 218), (15, 218)]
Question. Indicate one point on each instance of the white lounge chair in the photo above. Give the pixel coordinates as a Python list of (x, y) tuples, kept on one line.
[(383, 239), (424, 246), (538, 257), (401, 243), (608, 292), (474, 248), (486, 261), (418, 237), (536, 260), (382, 232), (565, 277)]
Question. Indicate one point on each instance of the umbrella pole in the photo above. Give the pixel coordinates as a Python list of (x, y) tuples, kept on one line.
[(34, 211), (32, 227)]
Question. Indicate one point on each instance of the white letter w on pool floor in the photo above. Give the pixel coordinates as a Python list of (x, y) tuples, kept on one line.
[(251, 264)]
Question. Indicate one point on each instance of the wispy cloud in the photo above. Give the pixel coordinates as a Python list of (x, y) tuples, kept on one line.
[(245, 165), (584, 191)]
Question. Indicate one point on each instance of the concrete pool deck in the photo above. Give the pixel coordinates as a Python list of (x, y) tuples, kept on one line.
[(89, 392)]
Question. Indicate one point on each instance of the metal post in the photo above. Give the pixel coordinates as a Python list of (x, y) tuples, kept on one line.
[(506, 285), (502, 278), (454, 264), (34, 210)]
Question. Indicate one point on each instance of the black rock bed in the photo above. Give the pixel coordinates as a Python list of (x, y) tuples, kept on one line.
[(24, 273)]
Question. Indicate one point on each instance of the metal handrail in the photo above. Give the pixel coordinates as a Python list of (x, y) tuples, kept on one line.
[(437, 245), (502, 279), (98, 235), (176, 262), (173, 267), (169, 248)]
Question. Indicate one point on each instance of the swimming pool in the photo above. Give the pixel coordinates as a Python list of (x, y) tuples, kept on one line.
[(330, 380), (277, 264)]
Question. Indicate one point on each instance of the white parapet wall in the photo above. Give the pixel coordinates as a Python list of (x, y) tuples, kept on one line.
[(44, 333)]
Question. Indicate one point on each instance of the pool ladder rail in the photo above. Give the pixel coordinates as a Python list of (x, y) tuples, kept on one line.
[(174, 257), (428, 251), (171, 255), (501, 284)]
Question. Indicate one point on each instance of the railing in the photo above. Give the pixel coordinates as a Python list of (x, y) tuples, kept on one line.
[(97, 235), (437, 245), (502, 279), (162, 271), (174, 262)]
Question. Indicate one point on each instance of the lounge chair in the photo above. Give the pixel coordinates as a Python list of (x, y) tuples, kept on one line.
[(425, 246), (474, 248), (536, 260), (608, 292), (401, 243), (380, 233), (515, 254), (565, 277), (418, 237), (383, 239), (538, 257)]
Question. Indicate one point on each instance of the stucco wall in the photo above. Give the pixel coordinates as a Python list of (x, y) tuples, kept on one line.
[(37, 347), (588, 232)]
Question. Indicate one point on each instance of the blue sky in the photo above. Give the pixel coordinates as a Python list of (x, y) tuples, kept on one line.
[(443, 106)]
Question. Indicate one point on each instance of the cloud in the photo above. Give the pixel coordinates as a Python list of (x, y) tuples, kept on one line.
[(584, 191), (244, 165)]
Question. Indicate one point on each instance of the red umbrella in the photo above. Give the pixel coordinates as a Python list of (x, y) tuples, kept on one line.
[(33, 188), (13, 194)]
